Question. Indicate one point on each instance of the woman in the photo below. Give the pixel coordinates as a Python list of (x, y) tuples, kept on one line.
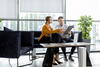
[(51, 55)]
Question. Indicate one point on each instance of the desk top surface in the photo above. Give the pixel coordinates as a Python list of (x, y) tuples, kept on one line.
[(71, 44)]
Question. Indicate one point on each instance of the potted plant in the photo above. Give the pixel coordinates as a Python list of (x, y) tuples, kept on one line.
[(0, 19), (85, 26)]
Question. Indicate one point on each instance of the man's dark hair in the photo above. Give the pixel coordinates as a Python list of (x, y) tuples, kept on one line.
[(60, 17)]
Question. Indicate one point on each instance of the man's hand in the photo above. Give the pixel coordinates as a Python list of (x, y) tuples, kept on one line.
[(69, 32)]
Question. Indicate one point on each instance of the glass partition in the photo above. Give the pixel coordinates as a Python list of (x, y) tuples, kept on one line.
[(37, 25), (33, 21), (9, 24)]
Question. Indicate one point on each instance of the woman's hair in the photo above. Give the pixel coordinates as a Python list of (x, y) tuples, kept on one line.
[(47, 18)]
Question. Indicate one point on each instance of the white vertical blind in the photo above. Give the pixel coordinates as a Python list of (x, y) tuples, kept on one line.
[(45, 6), (8, 9)]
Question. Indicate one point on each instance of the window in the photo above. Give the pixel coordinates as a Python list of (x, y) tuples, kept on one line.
[(77, 8)]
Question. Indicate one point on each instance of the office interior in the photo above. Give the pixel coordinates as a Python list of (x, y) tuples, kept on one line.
[(29, 15)]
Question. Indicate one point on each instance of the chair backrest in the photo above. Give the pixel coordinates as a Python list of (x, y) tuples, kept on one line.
[(80, 39), (36, 42), (9, 44), (37, 33), (27, 38)]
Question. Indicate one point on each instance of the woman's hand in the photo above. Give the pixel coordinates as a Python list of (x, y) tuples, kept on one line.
[(61, 30)]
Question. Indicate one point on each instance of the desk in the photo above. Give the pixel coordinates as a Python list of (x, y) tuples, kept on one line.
[(83, 55)]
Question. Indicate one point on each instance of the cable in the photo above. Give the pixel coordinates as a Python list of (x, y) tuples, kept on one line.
[(9, 62)]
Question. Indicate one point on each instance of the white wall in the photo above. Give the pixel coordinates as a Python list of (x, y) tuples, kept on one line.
[(77, 8), (8, 9)]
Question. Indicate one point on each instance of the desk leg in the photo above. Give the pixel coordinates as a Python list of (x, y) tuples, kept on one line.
[(48, 59), (88, 61), (82, 56), (88, 49)]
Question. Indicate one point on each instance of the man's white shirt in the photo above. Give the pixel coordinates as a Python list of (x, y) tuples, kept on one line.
[(64, 26)]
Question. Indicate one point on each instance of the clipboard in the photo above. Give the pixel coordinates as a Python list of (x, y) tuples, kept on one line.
[(68, 29)]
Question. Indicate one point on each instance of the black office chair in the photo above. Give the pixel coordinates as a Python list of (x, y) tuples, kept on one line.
[(13, 44)]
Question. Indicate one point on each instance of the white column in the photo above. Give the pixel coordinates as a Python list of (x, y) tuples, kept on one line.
[(82, 57)]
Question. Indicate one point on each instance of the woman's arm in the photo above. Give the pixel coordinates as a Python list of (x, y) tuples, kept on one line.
[(48, 30)]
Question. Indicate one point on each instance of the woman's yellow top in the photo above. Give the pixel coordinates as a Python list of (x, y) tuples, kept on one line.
[(47, 30)]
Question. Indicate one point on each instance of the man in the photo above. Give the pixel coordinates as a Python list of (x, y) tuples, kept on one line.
[(67, 38)]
